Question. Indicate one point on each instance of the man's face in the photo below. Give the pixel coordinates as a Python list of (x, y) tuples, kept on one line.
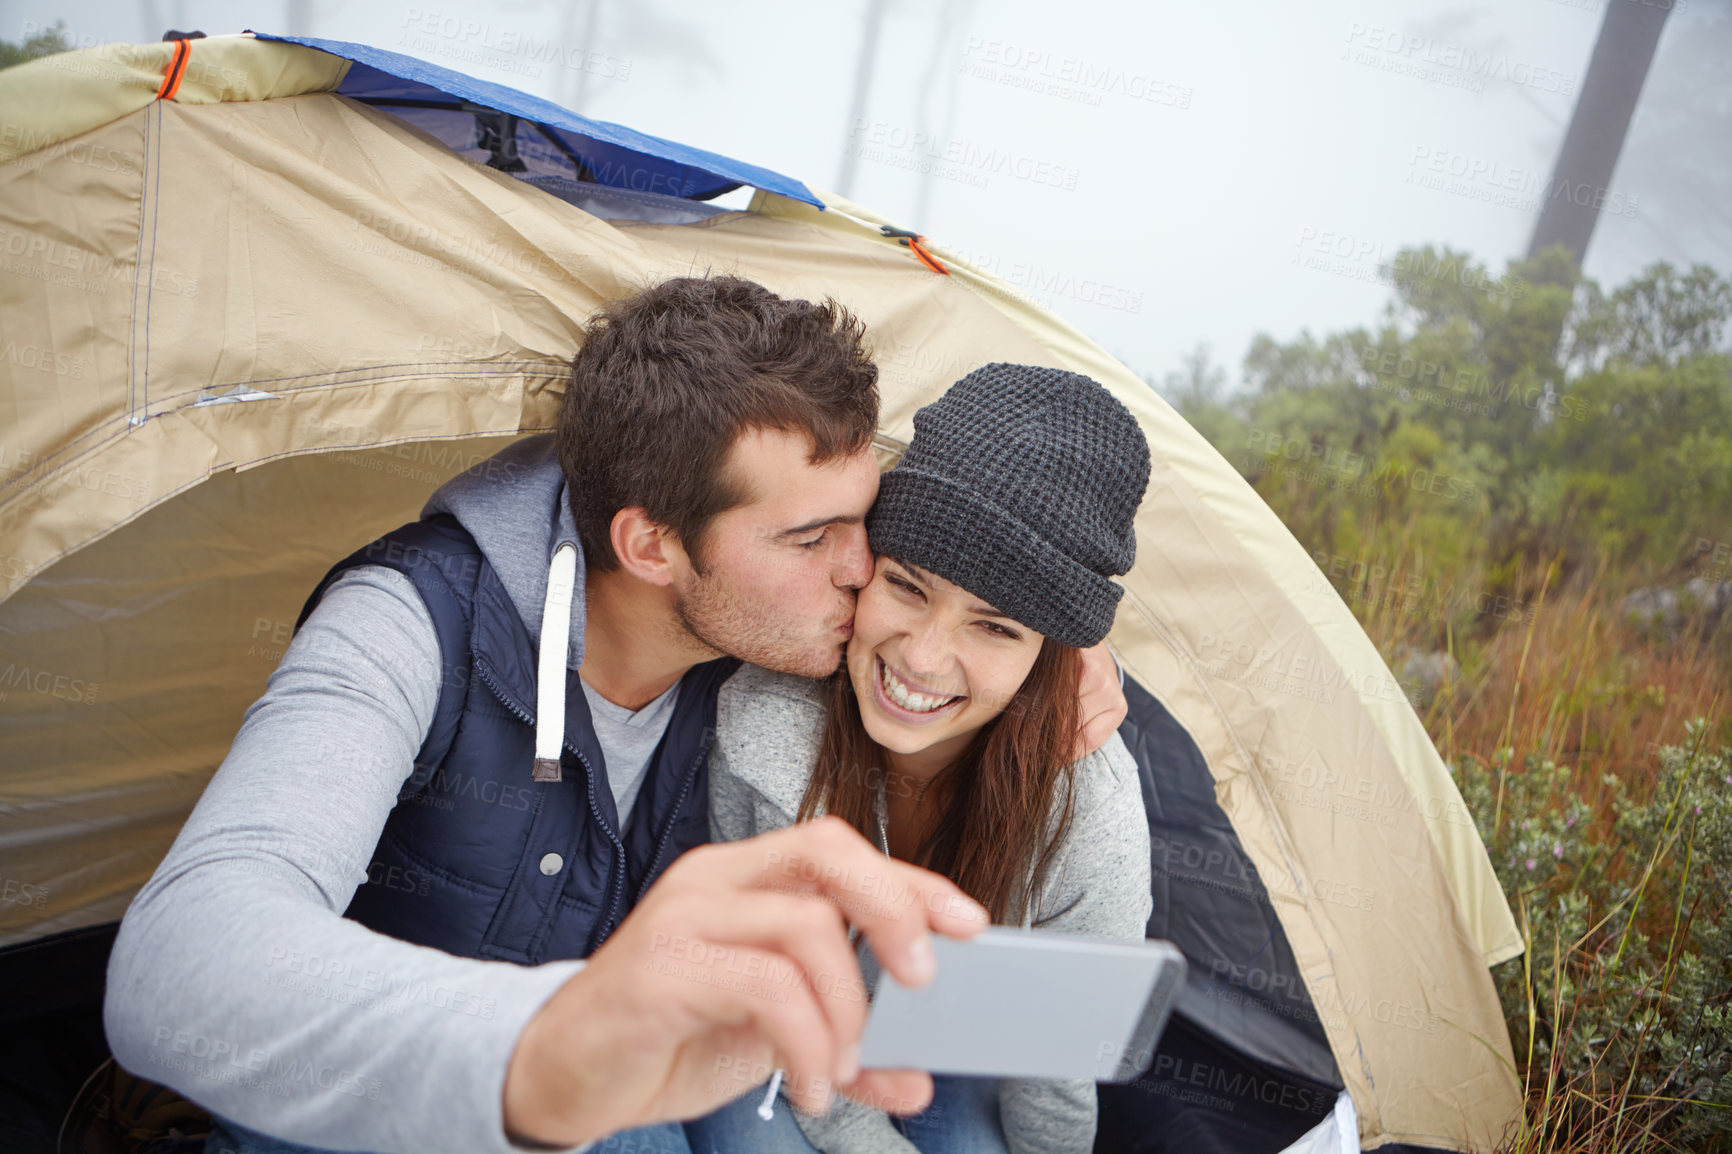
[(781, 570)]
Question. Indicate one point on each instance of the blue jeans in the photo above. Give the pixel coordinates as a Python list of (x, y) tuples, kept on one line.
[(737, 1129), (962, 1119), (228, 1138)]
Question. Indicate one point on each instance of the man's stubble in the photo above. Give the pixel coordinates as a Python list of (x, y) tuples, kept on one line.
[(723, 621)]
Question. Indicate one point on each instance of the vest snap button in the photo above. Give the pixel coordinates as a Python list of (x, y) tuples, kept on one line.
[(551, 864)]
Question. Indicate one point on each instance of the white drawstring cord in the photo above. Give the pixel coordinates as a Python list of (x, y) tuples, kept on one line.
[(767, 1108), (550, 664)]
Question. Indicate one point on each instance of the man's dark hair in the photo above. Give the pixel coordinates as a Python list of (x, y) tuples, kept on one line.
[(667, 380)]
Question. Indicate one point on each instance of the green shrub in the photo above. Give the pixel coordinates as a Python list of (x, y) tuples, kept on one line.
[(1618, 1011)]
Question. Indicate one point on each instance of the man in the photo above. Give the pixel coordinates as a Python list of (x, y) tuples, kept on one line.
[(424, 759)]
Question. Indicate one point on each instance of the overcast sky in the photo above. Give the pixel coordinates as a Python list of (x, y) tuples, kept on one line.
[(1152, 170)]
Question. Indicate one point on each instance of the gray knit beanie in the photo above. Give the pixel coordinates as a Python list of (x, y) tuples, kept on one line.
[(1020, 486)]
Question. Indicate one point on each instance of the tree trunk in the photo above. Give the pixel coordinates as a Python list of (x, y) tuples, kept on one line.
[(1595, 137), (851, 143)]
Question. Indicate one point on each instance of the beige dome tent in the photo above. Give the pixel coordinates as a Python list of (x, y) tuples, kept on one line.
[(254, 308)]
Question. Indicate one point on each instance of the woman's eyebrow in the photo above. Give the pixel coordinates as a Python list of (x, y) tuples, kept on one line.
[(914, 571), (978, 609)]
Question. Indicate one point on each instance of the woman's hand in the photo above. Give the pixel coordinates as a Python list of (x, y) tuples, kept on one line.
[(1102, 705), (735, 963)]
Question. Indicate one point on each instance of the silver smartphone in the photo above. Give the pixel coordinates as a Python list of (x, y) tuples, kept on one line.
[(1014, 1003)]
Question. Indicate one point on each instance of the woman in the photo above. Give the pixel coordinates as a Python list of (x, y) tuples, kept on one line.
[(947, 738)]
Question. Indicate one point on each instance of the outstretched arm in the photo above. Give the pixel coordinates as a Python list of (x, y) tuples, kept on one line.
[(236, 980)]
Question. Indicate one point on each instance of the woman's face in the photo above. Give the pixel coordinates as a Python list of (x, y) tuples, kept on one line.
[(930, 662)]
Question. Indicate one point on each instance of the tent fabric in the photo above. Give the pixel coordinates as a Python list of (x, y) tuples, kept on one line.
[(614, 155), (57, 98), (241, 336)]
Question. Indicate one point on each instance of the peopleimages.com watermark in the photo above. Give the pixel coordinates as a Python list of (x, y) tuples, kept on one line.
[(1715, 556), (919, 362), (953, 158), (1290, 996), (227, 1062), (79, 475), (41, 358), (1314, 462), (1212, 865), (1068, 78), (1273, 987), (53, 261), (118, 62), (1446, 62), (1309, 782), (1267, 666), (1509, 186), (431, 462), (1044, 287), (1467, 389), (1222, 1089), (1223, 868), (14, 892), (412, 241), (368, 987), (47, 683), (453, 37), (1418, 272), (1373, 584), (14, 463), (34, 147)]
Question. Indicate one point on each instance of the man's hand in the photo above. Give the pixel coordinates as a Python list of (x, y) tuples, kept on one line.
[(735, 963), (1103, 700)]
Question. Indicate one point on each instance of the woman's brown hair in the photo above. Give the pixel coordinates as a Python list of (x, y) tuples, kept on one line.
[(993, 836)]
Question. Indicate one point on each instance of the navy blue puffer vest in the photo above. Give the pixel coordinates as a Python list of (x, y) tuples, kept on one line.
[(478, 860)]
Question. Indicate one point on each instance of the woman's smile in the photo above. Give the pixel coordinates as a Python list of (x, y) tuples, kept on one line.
[(906, 700)]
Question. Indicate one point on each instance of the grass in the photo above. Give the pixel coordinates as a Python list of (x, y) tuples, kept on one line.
[(1594, 756)]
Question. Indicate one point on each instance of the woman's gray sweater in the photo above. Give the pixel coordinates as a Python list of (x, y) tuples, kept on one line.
[(768, 726)]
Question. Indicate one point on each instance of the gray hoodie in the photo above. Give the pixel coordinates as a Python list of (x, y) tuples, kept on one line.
[(768, 726), (236, 980)]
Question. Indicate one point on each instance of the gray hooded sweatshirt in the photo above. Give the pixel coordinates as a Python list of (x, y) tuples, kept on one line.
[(768, 726)]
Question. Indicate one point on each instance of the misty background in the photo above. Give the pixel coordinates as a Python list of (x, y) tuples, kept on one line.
[(1156, 173), (1525, 498)]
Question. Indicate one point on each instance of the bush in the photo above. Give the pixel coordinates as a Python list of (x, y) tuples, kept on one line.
[(1618, 1011)]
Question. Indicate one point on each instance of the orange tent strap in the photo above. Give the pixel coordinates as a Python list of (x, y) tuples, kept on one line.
[(926, 258), (176, 69)]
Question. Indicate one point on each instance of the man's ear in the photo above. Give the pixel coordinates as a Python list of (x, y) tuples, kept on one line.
[(647, 550)]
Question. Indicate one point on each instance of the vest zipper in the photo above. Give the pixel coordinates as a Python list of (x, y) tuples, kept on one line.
[(668, 826), (589, 777)]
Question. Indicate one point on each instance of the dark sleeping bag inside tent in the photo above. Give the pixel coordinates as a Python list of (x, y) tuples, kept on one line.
[(1244, 1066)]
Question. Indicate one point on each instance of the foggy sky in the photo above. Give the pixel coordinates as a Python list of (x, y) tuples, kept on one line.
[(1162, 175)]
